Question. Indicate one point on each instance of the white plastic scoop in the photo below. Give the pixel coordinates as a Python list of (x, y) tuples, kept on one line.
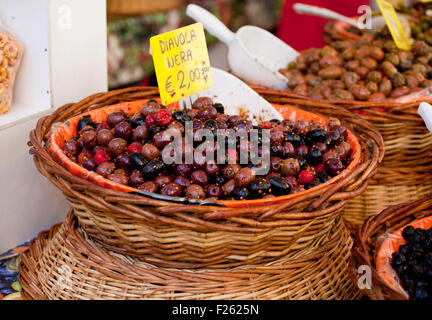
[(425, 111), (254, 54), (238, 98)]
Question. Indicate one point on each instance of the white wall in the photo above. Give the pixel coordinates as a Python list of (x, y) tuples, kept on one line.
[(65, 60)]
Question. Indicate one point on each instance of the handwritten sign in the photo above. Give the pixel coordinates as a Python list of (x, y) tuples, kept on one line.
[(394, 25), (181, 62)]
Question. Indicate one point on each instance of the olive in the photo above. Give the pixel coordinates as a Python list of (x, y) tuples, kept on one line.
[(279, 186), (172, 190), (219, 108), (119, 178), (301, 127), (230, 170), (116, 146), (207, 113), (137, 160), (334, 166), (152, 169), (182, 181), (228, 187), (83, 122), (399, 92), (123, 161), (115, 117), (317, 135), (369, 63), (243, 125), (195, 191), (290, 167), (397, 79), (182, 169), (71, 148), (181, 117), (323, 177), (302, 150), (150, 107), (211, 167), (202, 102), (276, 149), (374, 76), (240, 193), (288, 147), (140, 133), (214, 190), (275, 164), (314, 156), (276, 136), (218, 180), (155, 129), (377, 53), (211, 124), (199, 177), (136, 179), (175, 125), (331, 154), (244, 177), (197, 124), (360, 92), (88, 163), (140, 121), (388, 68), (343, 150), (372, 87), (385, 86), (89, 138), (302, 161), (150, 151), (104, 136), (162, 180), (105, 169), (148, 186), (260, 187), (321, 146)]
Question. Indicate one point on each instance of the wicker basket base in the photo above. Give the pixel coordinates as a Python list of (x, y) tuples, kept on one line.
[(64, 264), (376, 198)]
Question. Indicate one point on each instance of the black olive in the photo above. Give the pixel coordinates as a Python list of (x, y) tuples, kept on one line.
[(181, 116), (84, 121), (240, 193), (403, 249), (408, 232), (138, 160), (314, 156), (276, 121), (323, 177), (276, 150), (155, 129), (211, 125), (219, 107), (218, 180), (398, 259), (312, 184), (279, 186), (152, 169), (317, 135), (294, 138), (260, 187), (138, 122), (421, 294)]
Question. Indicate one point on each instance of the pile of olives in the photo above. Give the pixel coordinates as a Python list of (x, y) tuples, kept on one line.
[(413, 263), (371, 68), (127, 149)]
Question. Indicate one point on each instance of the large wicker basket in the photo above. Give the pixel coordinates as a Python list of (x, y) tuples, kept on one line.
[(370, 236), (406, 171), (177, 235), (64, 264)]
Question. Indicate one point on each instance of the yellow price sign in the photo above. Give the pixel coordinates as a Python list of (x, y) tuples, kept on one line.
[(393, 23), (426, 1), (181, 62)]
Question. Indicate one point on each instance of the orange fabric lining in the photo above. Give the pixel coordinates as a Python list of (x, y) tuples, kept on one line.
[(67, 130), (391, 244)]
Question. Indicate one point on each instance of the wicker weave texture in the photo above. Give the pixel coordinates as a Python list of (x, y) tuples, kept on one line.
[(64, 264), (370, 236)]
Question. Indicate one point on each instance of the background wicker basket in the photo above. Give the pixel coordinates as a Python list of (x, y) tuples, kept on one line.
[(64, 264), (370, 236), (406, 171), (140, 7), (177, 235)]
